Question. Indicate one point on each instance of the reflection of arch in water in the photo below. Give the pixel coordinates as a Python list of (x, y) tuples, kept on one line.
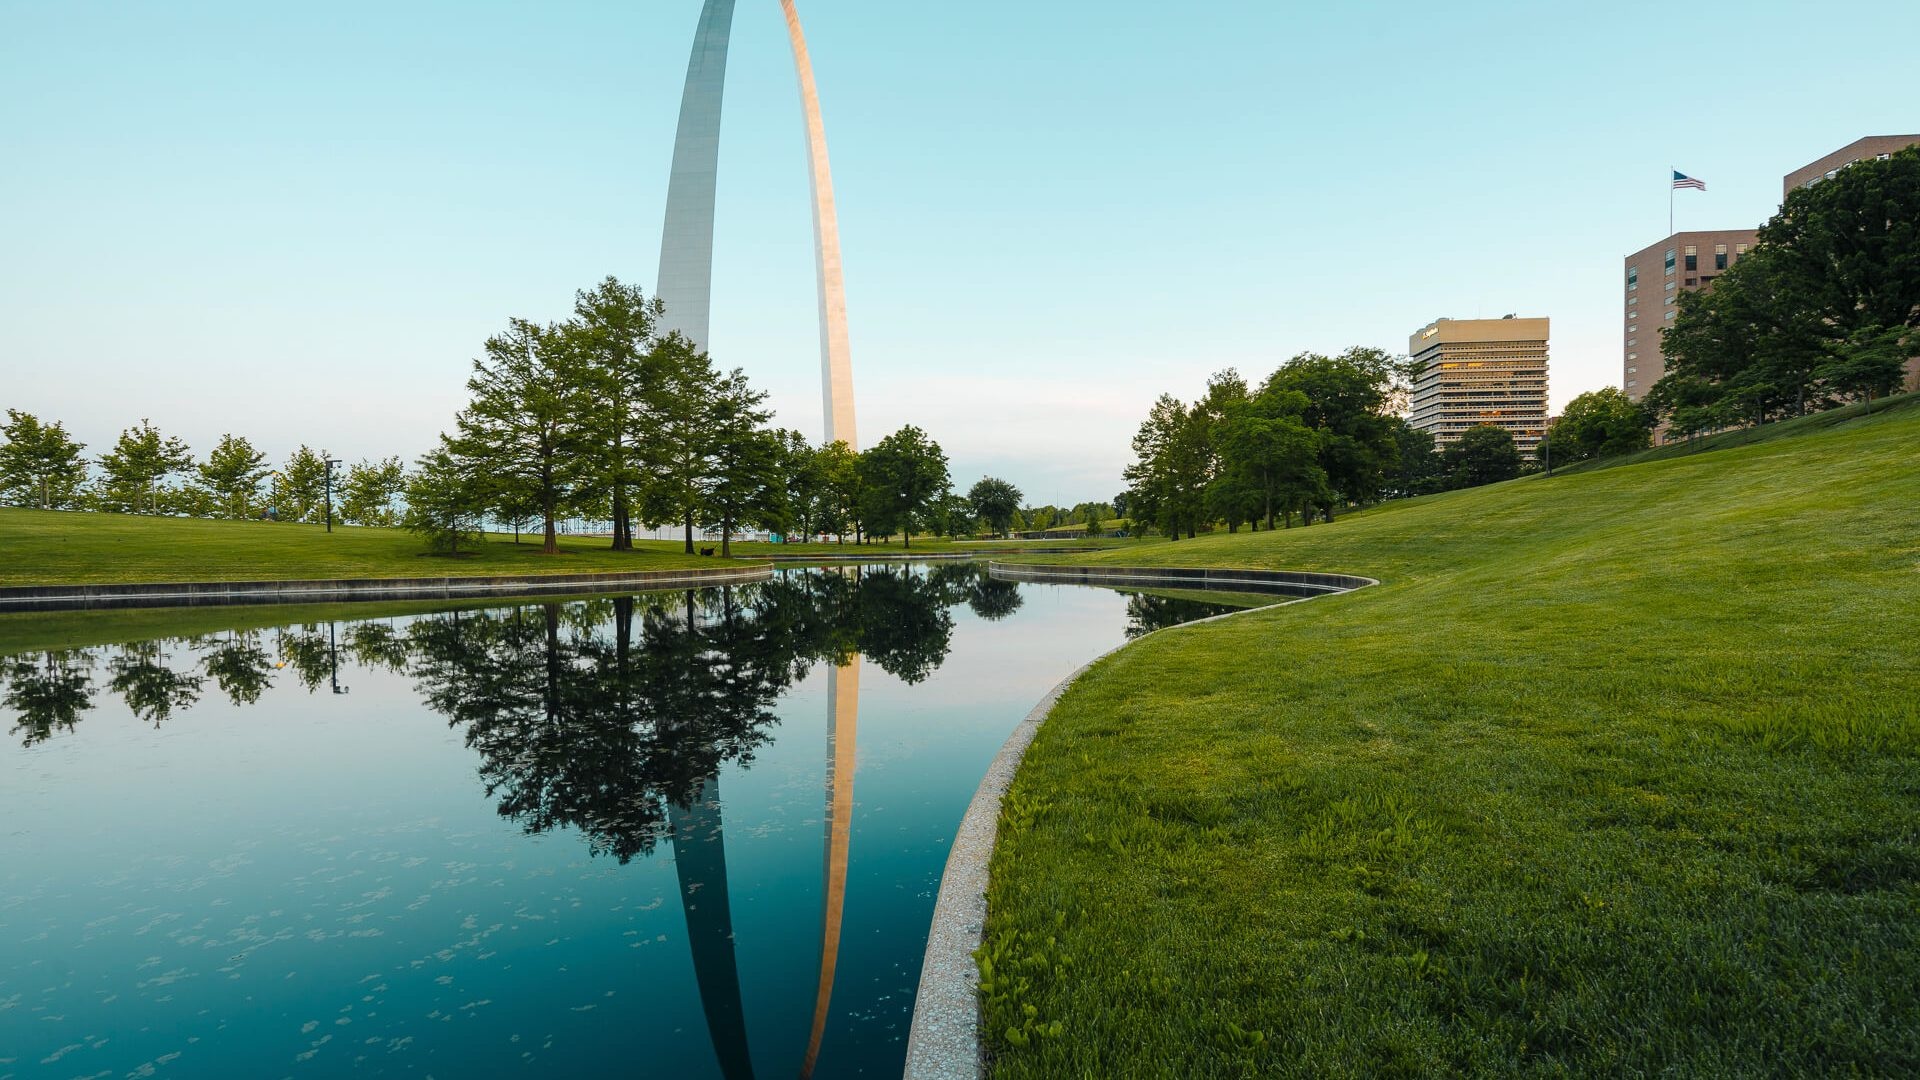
[(700, 861), (843, 725)]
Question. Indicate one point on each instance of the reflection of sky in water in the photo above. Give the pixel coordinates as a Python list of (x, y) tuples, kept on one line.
[(316, 884)]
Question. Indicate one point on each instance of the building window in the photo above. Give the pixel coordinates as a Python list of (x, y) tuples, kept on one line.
[(1669, 315), (1670, 254), (1632, 301), (1691, 282), (1632, 315), (1670, 286), (1693, 262), (1633, 356), (1720, 257), (1633, 382)]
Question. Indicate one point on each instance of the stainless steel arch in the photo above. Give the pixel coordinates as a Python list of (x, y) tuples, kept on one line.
[(686, 243)]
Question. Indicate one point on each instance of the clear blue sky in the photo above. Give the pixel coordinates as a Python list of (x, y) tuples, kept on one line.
[(299, 223)]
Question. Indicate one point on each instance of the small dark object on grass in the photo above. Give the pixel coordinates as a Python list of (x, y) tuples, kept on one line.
[(708, 552)]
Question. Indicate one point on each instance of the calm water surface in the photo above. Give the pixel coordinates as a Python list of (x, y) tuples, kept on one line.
[(680, 835)]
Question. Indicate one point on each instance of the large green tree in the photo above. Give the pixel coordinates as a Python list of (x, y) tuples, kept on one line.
[(299, 489), (614, 331), (839, 507), (370, 491), (1484, 454), (904, 478), (1170, 472), (232, 475), (994, 501), (1599, 423), (1824, 308), (140, 460), (746, 487), (39, 464), (445, 503), (527, 424), (682, 403), (1269, 457), (1350, 398)]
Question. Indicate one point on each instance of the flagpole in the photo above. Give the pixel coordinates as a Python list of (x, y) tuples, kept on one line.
[(1670, 190)]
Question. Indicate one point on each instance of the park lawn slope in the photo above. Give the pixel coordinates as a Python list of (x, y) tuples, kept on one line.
[(1613, 774), (40, 547)]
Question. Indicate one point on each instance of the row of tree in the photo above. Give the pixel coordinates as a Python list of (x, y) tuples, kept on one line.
[(148, 472), (1824, 309), (1316, 434), (602, 416)]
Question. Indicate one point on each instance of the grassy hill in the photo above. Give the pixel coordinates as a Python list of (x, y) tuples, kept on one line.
[(1616, 773)]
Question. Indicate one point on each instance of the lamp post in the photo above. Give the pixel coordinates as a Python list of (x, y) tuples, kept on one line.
[(331, 462)]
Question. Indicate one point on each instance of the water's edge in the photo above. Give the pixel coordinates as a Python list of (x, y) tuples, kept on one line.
[(944, 1042), (193, 593)]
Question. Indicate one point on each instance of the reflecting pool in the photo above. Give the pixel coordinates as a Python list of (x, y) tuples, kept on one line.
[(674, 834)]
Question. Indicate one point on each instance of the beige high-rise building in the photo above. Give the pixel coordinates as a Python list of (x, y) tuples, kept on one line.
[(1656, 275), (1873, 146), (1481, 371)]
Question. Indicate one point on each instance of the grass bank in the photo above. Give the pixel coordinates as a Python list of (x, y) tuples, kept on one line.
[(1616, 773), (40, 547)]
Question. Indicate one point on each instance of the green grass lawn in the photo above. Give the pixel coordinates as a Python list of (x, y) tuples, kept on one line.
[(1615, 774), (58, 547)]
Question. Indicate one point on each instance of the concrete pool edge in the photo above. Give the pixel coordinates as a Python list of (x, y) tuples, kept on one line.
[(944, 1041), (36, 598)]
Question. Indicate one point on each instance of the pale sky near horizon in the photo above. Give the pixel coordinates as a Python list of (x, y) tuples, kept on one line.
[(300, 223)]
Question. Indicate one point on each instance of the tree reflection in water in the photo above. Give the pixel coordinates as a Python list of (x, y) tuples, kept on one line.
[(610, 716)]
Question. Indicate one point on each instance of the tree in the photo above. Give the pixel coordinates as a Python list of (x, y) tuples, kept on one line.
[(1824, 308), (527, 422), (371, 487), (1170, 471), (443, 503), (1484, 454), (39, 465), (614, 328), (1418, 470), (746, 487), (904, 476), (1600, 423), (802, 479), (1349, 401), (299, 490), (839, 507), (232, 475), (1269, 458), (139, 461), (994, 501), (681, 404)]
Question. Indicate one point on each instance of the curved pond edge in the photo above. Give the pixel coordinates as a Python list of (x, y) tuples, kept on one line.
[(944, 1043), (195, 593)]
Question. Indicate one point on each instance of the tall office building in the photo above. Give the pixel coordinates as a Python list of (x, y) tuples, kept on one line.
[(1481, 371), (1655, 277), (1873, 146)]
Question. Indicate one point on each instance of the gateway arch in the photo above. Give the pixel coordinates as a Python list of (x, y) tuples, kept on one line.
[(685, 283)]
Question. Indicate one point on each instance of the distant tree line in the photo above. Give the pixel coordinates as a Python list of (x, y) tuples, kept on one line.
[(1318, 434), (1824, 310), (149, 472)]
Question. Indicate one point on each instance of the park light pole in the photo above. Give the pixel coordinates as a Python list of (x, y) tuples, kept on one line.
[(331, 462)]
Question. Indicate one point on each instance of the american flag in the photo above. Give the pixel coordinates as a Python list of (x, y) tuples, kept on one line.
[(1682, 180)]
